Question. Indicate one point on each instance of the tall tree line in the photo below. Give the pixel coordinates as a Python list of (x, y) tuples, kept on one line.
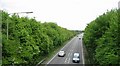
[(102, 38), (29, 41)]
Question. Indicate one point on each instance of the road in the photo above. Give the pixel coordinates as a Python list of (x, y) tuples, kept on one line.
[(74, 45)]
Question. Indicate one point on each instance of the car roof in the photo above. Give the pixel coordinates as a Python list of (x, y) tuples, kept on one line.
[(62, 51), (76, 53)]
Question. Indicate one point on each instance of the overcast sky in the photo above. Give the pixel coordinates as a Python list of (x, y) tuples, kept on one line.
[(70, 14)]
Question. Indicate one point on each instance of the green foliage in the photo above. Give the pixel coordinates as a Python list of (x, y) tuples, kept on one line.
[(101, 39), (29, 41)]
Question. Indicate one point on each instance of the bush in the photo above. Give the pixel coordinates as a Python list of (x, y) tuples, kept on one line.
[(101, 39)]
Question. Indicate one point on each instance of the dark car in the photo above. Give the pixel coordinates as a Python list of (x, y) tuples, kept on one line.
[(76, 58)]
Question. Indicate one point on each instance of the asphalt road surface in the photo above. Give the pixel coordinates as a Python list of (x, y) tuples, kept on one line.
[(74, 45)]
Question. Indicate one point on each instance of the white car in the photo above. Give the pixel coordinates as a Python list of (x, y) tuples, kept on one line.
[(61, 54), (76, 57)]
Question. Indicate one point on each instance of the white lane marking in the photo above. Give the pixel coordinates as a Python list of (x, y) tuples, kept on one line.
[(71, 54), (61, 49), (82, 53), (68, 60), (68, 54)]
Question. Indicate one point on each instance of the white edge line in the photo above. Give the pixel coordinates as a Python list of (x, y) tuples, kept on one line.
[(82, 53), (59, 50)]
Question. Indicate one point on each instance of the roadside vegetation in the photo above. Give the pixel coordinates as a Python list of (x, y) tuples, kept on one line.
[(102, 39), (30, 41)]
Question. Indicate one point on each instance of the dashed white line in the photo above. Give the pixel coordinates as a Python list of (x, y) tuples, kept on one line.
[(68, 60), (71, 54), (68, 54)]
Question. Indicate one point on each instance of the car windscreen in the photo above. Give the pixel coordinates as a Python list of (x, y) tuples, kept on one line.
[(76, 56), (61, 52)]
